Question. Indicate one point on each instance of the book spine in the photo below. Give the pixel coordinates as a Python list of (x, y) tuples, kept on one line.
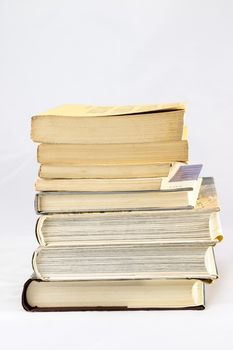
[(24, 300), (39, 171), (34, 264), (38, 230), (37, 203)]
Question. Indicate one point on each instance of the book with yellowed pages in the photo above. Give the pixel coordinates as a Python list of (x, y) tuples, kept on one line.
[(122, 295), (85, 124), (112, 154), (125, 184), (126, 171), (200, 225)]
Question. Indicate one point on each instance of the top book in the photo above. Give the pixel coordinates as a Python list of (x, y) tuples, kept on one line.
[(86, 124)]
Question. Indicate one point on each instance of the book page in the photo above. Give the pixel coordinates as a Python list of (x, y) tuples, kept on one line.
[(90, 110)]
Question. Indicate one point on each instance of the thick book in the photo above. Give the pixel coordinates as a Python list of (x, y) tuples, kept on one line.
[(125, 261), (138, 227), (199, 225), (112, 154), (127, 171), (113, 295), (103, 124)]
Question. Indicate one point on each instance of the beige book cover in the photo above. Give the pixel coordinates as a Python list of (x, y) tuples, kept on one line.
[(92, 110)]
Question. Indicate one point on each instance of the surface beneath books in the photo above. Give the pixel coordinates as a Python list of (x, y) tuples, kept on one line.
[(105, 330)]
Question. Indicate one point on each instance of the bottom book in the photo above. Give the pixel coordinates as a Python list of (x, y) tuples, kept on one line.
[(112, 295)]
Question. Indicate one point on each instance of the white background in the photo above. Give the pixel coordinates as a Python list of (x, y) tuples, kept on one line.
[(113, 52)]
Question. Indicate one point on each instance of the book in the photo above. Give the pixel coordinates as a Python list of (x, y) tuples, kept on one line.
[(112, 154), (73, 202), (96, 185), (200, 225), (126, 171), (103, 124), (180, 176), (160, 227), (112, 295), (124, 262)]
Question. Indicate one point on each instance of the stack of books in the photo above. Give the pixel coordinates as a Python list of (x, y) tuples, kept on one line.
[(125, 222)]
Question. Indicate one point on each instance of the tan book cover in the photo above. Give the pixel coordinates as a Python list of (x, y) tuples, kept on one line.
[(74, 110)]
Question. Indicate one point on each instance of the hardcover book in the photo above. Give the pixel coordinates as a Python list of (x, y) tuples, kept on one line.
[(113, 295), (125, 261)]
